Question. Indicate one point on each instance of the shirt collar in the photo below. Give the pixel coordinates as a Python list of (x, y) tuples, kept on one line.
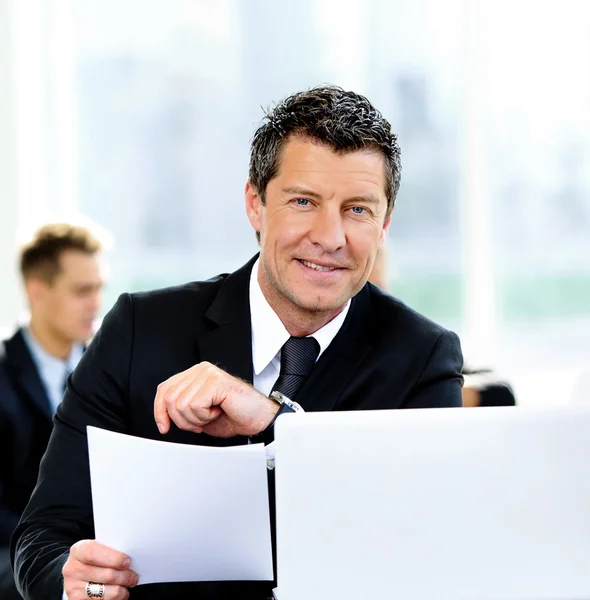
[(43, 357), (268, 332)]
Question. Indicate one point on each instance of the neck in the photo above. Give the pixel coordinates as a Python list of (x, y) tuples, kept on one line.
[(305, 322), (51, 342), (298, 321)]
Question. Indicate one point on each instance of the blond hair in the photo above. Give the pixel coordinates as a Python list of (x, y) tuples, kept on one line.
[(40, 257)]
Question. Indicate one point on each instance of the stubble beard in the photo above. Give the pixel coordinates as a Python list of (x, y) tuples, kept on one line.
[(287, 299)]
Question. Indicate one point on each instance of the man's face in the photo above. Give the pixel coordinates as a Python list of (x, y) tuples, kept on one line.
[(320, 227), (70, 304)]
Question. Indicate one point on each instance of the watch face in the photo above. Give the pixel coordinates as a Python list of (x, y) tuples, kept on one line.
[(286, 402), (280, 398)]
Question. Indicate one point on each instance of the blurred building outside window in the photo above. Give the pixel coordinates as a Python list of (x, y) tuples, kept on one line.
[(139, 114)]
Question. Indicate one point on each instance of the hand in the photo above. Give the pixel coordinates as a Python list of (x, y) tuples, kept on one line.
[(90, 561), (206, 399), (471, 396)]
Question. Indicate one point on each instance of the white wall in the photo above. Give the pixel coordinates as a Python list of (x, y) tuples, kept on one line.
[(10, 297)]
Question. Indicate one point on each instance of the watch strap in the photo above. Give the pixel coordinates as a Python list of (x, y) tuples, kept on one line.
[(286, 406)]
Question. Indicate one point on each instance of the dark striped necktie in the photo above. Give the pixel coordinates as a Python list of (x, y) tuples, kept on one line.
[(298, 357)]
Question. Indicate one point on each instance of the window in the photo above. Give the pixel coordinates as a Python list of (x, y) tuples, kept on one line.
[(139, 114)]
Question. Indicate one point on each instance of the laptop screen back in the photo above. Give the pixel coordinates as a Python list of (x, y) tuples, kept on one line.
[(487, 503)]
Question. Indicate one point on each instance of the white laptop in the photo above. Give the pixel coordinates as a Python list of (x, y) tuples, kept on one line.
[(446, 504)]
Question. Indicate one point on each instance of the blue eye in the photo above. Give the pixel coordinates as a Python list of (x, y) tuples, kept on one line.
[(302, 201), (358, 210)]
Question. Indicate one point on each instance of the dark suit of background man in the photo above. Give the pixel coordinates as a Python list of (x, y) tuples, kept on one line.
[(173, 364), (61, 276)]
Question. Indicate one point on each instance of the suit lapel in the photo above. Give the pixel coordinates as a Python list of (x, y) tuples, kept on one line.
[(338, 364), (25, 373), (227, 342), (227, 339)]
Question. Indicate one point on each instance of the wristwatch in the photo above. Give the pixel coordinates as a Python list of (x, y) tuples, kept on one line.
[(286, 405)]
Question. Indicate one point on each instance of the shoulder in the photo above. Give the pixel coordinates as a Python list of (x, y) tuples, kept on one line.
[(11, 359), (393, 317), (12, 349), (218, 299), (224, 291), (190, 297), (162, 313)]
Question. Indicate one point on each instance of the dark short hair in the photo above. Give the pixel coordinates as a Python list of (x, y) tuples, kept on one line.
[(343, 121), (41, 255)]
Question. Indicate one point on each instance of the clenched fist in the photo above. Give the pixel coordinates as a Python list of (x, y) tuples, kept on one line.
[(206, 399)]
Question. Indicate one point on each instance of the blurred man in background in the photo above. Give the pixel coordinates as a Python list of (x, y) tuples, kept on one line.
[(62, 280)]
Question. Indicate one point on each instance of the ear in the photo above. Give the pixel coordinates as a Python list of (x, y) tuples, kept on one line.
[(384, 231), (35, 290), (254, 206)]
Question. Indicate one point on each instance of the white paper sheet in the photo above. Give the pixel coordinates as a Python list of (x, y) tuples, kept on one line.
[(182, 513)]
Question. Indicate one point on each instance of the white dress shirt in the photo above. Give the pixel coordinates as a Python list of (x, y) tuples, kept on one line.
[(269, 334), (52, 370)]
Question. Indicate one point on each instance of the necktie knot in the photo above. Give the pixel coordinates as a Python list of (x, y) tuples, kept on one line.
[(299, 355)]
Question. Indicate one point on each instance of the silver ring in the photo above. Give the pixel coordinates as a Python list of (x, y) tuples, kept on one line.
[(95, 590)]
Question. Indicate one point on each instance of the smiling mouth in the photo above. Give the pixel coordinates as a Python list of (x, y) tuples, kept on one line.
[(316, 267)]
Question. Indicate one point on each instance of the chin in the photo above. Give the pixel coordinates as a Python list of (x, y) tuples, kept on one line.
[(321, 304)]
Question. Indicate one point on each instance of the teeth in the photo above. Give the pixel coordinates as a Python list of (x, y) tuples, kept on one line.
[(317, 267)]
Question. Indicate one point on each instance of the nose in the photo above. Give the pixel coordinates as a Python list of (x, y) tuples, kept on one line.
[(328, 230)]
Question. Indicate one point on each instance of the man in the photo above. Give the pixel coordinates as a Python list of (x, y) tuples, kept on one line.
[(195, 364), (62, 282)]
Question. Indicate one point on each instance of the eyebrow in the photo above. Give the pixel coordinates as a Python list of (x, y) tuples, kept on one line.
[(88, 286), (300, 190), (305, 192)]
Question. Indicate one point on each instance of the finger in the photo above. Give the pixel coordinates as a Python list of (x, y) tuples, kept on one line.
[(183, 423), (189, 398), (205, 403), (194, 418), (205, 415), (196, 406), (182, 381), (111, 592), (160, 411), (91, 552), (196, 403), (108, 576), (167, 394)]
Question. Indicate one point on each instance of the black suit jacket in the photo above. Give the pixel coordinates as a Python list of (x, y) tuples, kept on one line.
[(384, 356), (25, 426)]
